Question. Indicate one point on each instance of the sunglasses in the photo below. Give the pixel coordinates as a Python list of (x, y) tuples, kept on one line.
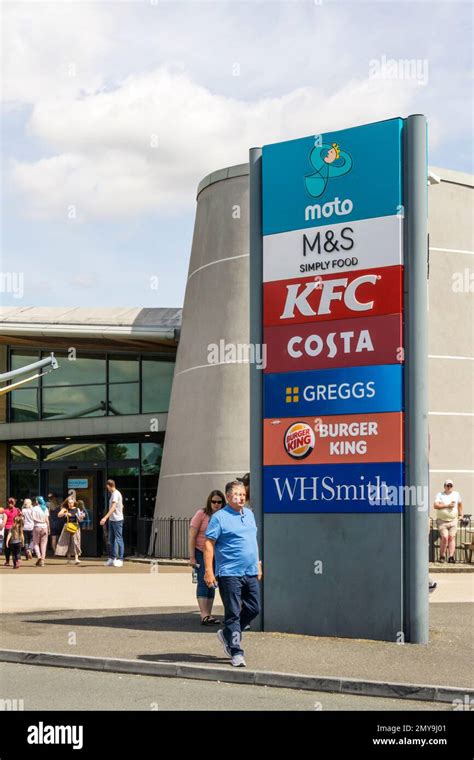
[(216, 501)]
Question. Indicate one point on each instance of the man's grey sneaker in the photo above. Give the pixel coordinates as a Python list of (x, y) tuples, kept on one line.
[(220, 636), (238, 661)]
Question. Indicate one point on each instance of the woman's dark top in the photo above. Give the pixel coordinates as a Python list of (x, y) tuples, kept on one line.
[(56, 523), (72, 515)]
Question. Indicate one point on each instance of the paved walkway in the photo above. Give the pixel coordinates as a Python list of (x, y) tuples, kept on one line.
[(135, 613)]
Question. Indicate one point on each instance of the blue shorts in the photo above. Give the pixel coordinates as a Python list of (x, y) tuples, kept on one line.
[(203, 591)]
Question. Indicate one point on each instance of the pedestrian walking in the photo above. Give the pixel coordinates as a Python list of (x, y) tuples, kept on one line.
[(15, 540), (205, 594), (28, 525), (40, 515), (56, 523), (69, 543), (10, 512), (115, 518), (2, 530), (232, 538), (448, 506)]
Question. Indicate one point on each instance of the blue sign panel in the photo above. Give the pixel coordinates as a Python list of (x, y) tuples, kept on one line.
[(334, 177), (348, 390), (349, 488), (77, 483)]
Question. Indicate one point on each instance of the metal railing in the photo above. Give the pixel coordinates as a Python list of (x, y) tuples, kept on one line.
[(169, 537), (464, 535)]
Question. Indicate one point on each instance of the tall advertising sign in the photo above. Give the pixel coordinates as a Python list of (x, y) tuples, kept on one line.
[(332, 318), (336, 444)]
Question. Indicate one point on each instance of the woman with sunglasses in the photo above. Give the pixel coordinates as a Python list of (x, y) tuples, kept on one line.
[(197, 530)]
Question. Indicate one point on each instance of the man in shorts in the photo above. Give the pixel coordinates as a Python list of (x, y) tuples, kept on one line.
[(448, 506)]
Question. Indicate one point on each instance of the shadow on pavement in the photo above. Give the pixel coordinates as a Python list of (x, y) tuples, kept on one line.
[(178, 622), (184, 657)]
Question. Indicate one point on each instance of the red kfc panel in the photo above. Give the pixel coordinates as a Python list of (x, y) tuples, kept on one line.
[(366, 292), (343, 343)]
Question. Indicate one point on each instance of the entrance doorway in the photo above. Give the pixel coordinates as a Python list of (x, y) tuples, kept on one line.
[(87, 486)]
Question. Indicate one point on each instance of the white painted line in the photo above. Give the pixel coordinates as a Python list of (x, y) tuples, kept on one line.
[(211, 364), (186, 474), (464, 358), (465, 471), (452, 250), (451, 414), (218, 261)]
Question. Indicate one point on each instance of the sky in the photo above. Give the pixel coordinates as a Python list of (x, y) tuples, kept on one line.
[(113, 111)]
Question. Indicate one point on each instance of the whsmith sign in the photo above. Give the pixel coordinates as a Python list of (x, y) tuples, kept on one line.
[(338, 235)]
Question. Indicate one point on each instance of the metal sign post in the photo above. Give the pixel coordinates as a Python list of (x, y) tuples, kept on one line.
[(337, 264)]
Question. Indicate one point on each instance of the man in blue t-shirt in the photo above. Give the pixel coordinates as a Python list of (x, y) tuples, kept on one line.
[(232, 537)]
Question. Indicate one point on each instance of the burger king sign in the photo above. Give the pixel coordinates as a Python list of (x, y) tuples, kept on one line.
[(299, 440)]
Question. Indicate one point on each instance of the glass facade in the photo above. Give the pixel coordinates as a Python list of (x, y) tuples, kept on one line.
[(92, 384), (134, 465)]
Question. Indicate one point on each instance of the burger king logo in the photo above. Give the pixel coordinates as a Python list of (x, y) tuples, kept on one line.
[(299, 440)]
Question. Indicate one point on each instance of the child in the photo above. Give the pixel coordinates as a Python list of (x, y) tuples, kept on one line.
[(15, 540)]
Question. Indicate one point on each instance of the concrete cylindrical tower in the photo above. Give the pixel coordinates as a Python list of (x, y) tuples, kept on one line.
[(207, 436)]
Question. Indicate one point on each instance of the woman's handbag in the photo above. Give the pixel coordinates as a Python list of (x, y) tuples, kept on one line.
[(71, 527)]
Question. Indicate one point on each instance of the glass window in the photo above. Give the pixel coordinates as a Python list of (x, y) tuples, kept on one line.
[(24, 452), (123, 451), (151, 458), (124, 398), (148, 495), (24, 405), (24, 484), (127, 482), (21, 358), (124, 369), (85, 369), (80, 401), (73, 451), (157, 377)]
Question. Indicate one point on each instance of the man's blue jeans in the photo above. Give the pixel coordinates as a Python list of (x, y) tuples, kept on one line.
[(241, 599), (116, 548)]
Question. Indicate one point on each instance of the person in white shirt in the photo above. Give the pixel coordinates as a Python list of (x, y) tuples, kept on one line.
[(28, 526), (115, 518), (40, 514), (448, 506)]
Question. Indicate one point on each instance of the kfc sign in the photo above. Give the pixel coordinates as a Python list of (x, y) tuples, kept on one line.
[(369, 292)]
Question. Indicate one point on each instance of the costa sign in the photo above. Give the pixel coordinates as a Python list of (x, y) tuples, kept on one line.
[(370, 292), (336, 439), (333, 248), (364, 341)]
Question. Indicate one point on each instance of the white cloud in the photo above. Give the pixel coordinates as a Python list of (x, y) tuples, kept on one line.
[(52, 48), (106, 163), (142, 70)]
